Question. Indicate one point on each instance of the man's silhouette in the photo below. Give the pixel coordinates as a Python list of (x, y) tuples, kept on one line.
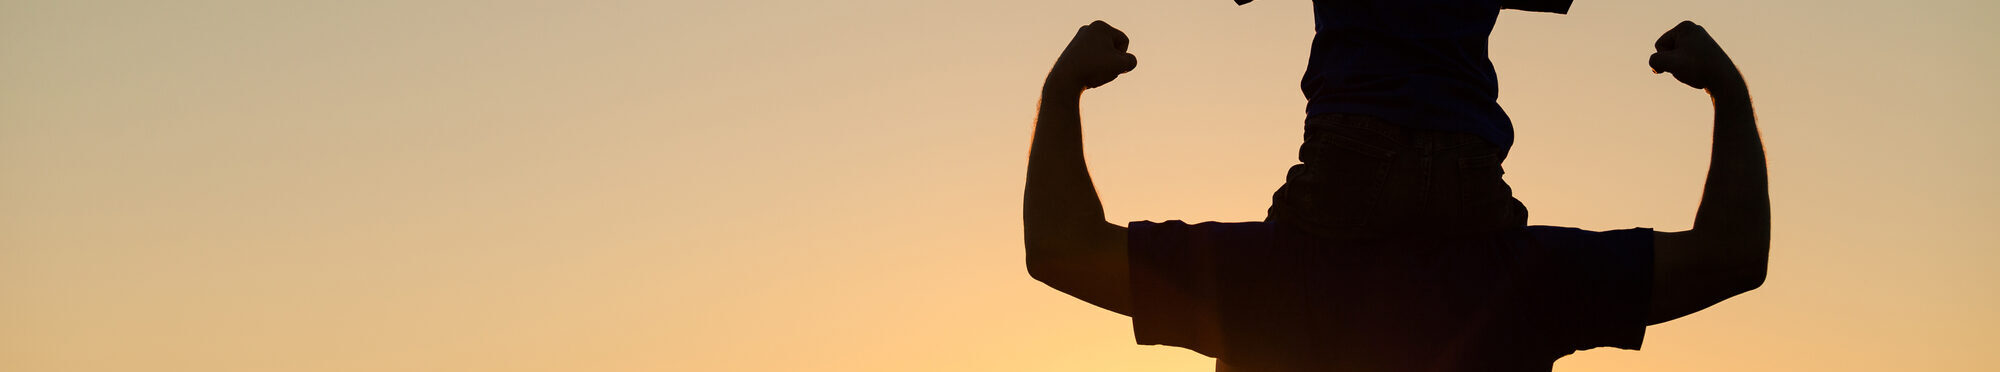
[(1296, 292)]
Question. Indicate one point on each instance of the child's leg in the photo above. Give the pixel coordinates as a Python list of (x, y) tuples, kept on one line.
[(1365, 179)]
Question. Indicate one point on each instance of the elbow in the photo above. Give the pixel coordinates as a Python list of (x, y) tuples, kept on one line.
[(1045, 265), (1055, 255), (1750, 279), (1740, 257), (1758, 271), (1065, 254), (1047, 241), (1731, 267), (1040, 252), (1753, 266), (1042, 272), (1038, 264), (1760, 258)]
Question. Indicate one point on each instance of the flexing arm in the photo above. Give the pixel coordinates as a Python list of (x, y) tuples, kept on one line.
[(1727, 251), (1070, 245)]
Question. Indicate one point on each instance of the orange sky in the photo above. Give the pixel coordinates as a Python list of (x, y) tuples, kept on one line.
[(834, 186)]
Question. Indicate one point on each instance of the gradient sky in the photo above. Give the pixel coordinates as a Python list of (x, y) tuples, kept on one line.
[(835, 186)]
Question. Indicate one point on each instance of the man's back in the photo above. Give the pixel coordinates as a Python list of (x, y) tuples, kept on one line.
[(1283, 300)]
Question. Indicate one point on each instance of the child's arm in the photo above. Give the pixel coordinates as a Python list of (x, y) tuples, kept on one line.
[(1070, 245)]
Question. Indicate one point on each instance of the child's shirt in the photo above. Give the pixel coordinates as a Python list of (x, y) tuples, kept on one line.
[(1417, 63)]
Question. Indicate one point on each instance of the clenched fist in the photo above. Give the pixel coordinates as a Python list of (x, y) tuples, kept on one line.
[(1694, 58), (1094, 57)]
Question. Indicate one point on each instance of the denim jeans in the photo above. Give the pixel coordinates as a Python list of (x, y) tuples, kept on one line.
[(1364, 179)]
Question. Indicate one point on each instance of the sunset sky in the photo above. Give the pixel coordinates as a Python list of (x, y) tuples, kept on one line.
[(783, 185)]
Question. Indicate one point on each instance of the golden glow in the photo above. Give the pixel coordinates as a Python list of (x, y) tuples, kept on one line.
[(835, 186)]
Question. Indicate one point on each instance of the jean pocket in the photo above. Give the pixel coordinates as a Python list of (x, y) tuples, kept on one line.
[(1342, 182)]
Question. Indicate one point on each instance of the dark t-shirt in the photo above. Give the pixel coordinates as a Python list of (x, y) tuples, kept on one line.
[(1268, 298), (1417, 63)]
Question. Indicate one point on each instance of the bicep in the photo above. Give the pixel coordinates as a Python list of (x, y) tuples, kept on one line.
[(1694, 270), (1087, 262)]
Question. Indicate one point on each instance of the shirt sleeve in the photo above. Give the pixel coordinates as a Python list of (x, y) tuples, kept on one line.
[(1548, 6), (1601, 285), (1178, 271)]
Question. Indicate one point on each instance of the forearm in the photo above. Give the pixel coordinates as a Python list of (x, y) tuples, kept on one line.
[(1070, 246), (1059, 189), (1727, 251), (1736, 199)]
